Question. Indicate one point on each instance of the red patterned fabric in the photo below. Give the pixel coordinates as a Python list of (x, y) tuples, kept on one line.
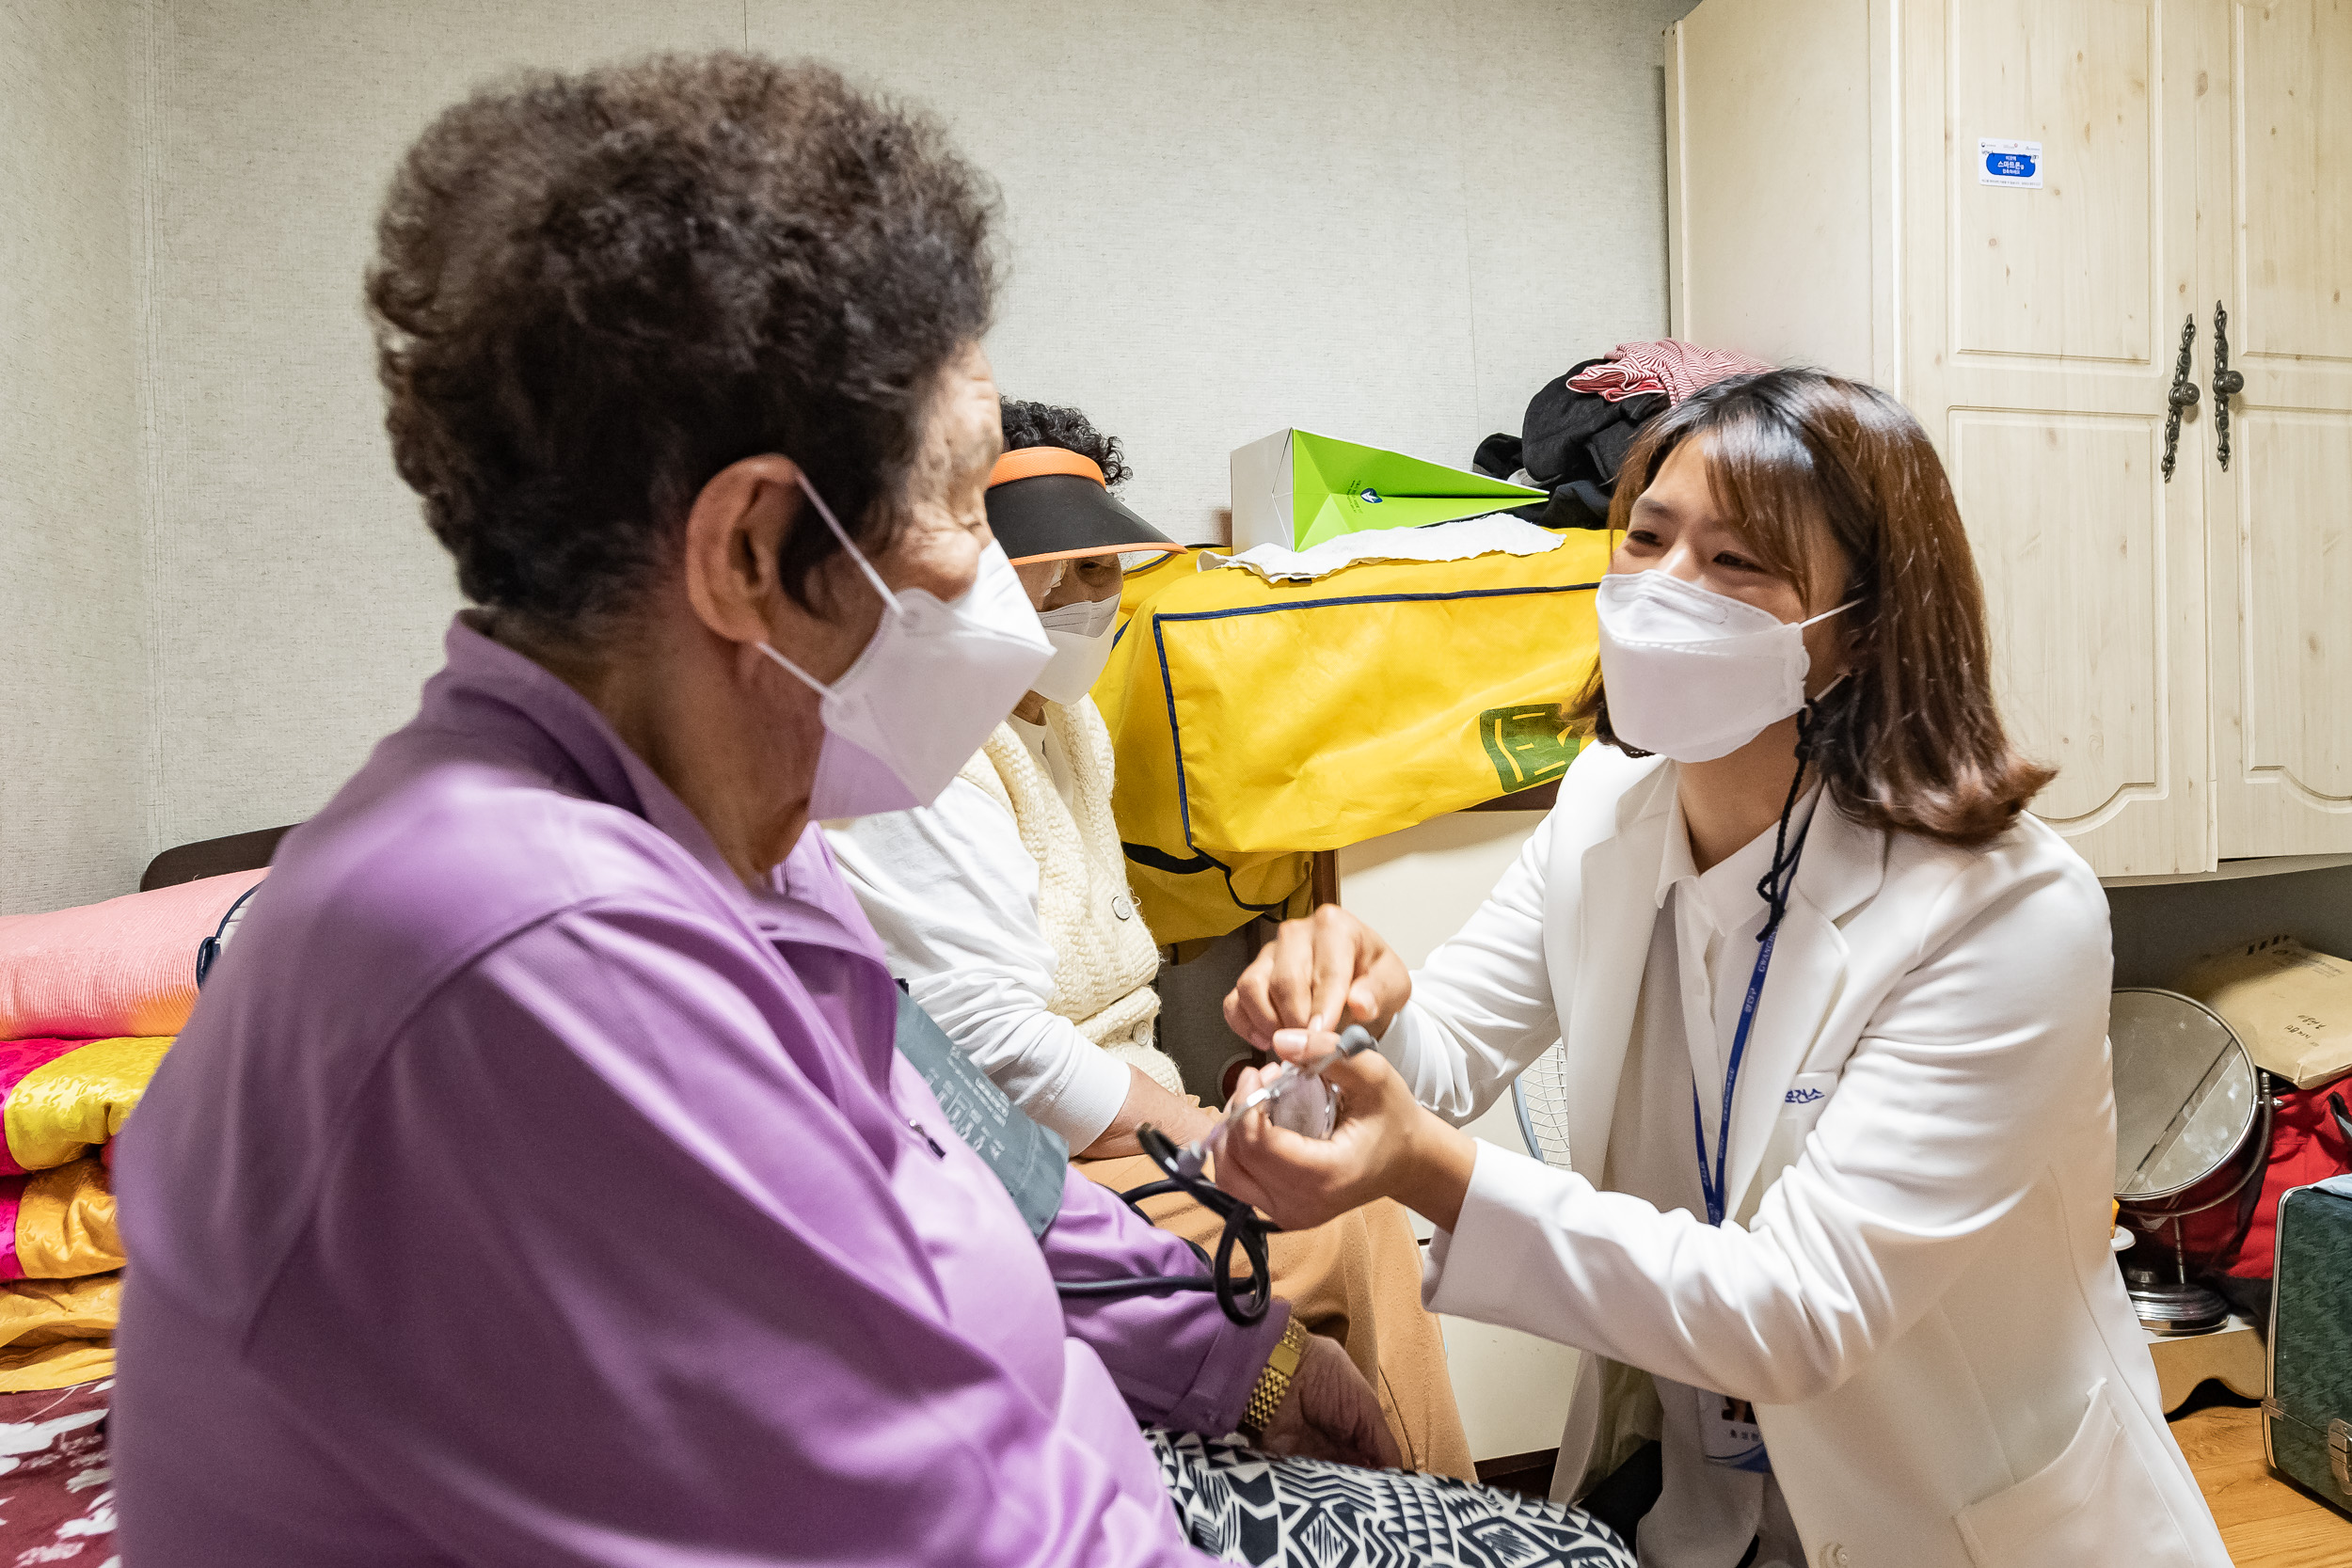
[(57, 1501), (2307, 1144), (1669, 365)]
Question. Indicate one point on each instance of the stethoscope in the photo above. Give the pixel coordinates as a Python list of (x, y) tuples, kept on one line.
[(1243, 1300), (1181, 1169)]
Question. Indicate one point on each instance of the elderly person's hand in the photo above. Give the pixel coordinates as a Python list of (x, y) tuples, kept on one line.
[(1330, 1412), (1383, 1144)]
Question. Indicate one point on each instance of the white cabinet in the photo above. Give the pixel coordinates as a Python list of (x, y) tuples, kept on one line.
[(2275, 150), (2180, 648)]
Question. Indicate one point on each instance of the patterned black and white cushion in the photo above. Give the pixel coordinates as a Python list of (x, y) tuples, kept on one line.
[(1251, 1508)]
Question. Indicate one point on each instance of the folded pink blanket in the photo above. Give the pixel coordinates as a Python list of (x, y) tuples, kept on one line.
[(123, 966)]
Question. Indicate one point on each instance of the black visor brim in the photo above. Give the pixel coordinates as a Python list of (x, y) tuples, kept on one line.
[(1062, 515)]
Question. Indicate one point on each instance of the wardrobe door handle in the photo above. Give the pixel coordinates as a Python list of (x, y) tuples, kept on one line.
[(2183, 395), (2227, 384)]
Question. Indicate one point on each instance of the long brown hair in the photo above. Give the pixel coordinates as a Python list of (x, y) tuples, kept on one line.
[(1911, 740)]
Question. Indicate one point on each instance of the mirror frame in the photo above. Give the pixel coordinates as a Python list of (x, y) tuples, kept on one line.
[(2253, 1108)]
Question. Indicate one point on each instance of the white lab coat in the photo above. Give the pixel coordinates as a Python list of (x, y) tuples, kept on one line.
[(1922, 1305)]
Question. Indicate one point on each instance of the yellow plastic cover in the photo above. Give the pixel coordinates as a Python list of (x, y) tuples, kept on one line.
[(1256, 721)]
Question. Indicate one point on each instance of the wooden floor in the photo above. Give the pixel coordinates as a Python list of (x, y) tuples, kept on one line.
[(2264, 1522)]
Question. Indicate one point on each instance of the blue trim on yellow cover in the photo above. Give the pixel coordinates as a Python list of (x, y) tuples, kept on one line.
[(1168, 690)]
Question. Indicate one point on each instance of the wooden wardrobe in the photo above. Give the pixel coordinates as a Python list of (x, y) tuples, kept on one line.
[(2179, 645)]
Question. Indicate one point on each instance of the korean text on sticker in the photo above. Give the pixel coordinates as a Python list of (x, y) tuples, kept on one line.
[(2008, 163)]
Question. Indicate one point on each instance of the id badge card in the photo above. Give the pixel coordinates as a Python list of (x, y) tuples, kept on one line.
[(1728, 1435)]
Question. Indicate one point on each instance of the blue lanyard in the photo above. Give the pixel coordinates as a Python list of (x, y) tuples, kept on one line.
[(1712, 1183)]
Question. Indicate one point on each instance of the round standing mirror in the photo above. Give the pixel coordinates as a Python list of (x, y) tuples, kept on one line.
[(2186, 1093), (2190, 1109)]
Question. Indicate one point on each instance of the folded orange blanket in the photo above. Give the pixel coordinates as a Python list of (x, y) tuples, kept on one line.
[(59, 1224), (123, 966)]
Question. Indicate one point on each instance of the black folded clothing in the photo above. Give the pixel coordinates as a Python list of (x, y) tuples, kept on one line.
[(1498, 455), (1570, 435), (1572, 445)]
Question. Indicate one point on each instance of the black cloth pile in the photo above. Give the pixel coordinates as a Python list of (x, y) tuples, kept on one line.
[(1571, 444)]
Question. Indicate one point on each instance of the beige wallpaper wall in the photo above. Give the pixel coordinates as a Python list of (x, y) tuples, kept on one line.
[(71, 709), (1389, 220), (298, 599)]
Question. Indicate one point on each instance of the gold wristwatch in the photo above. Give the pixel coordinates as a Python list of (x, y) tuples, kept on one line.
[(1281, 1365)]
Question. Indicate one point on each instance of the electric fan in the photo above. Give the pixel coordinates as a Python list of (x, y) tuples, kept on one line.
[(1541, 1096)]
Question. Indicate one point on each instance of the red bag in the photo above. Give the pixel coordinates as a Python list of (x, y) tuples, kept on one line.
[(2310, 1140)]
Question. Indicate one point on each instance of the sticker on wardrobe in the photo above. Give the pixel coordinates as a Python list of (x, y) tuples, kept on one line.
[(2008, 163)]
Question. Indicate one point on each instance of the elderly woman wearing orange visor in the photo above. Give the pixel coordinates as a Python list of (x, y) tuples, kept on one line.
[(1005, 909)]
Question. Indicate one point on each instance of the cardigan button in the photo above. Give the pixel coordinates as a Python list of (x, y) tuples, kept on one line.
[(1121, 908), (1834, 1556)]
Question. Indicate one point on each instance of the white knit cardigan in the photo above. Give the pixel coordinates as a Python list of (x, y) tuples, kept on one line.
[(1105, 956)]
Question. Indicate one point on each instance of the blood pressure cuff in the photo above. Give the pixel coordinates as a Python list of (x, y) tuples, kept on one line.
[(1029, 1160)]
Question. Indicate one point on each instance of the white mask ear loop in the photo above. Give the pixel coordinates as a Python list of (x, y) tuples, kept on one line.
[(1838, 609), (890, 601), (1840, 678), (857, 555)]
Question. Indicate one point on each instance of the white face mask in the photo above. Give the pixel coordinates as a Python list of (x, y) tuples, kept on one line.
[(1693, 674), (932, 682), (1082, 635)]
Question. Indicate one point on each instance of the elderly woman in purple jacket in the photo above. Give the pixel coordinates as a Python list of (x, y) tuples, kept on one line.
[(538, 1182)]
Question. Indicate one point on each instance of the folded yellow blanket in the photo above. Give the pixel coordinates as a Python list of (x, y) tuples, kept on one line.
[(64, 1096), (58, 1224), (58, 1099), (56, 1333)]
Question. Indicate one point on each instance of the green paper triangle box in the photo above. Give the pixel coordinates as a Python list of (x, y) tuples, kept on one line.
[(1296, 489)]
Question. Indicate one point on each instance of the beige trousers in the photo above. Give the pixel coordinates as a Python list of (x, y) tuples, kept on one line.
[(1356, 1280)]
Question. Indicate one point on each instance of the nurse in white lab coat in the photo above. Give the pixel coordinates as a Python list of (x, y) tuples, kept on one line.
[(1867, 1278)]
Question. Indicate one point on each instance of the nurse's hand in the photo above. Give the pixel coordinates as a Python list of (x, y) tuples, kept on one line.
[(1385, 1145), (1325, 971), (1330, 1412)]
